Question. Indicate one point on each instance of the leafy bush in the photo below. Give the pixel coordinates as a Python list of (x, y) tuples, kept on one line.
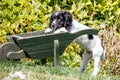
[(71, 56), (30, 15)]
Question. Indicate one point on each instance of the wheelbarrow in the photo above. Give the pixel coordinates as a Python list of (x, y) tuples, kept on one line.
[(38, 45)]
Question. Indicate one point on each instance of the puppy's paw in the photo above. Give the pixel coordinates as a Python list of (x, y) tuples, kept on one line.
[(61, 30), (48, 30)]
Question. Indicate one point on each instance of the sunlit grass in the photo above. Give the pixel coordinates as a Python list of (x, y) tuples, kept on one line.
[(47, 72)]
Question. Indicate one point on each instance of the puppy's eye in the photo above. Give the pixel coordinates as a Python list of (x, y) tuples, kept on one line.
[(54, 17)]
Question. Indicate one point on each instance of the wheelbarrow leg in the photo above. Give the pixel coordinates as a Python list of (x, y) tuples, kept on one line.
[(43, 61), (56, 52)]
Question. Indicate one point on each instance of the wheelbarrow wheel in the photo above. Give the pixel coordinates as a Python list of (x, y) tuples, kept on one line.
[(10, 50)]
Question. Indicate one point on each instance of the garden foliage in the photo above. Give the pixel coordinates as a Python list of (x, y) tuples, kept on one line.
[(20, 16)]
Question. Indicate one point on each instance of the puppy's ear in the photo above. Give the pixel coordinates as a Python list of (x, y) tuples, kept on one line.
[(51, 19), (68, 20)]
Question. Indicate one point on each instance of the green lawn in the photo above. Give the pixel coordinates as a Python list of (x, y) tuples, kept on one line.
[(47, 72)]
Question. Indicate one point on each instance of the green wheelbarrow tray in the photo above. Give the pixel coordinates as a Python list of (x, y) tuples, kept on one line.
[(37, 45)]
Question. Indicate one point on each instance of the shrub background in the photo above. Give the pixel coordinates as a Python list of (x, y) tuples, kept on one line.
[(30, 15)]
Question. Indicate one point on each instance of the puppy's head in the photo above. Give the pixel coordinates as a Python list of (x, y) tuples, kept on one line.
[(60, 19)]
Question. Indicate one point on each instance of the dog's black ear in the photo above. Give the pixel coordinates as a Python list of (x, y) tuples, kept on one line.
[(51, 19), (68, 20)]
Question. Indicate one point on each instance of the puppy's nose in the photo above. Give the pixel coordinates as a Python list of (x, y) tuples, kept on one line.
[(53, 25)]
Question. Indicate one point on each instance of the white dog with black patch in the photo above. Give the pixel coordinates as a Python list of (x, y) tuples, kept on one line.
[(61, 21)]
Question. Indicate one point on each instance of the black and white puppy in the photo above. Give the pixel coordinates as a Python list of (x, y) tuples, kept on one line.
[(61, 21)]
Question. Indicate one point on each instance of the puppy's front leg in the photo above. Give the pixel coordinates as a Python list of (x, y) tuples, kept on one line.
[(85, 60)]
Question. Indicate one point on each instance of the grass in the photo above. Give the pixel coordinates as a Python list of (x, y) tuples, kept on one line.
[(47, 72)]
